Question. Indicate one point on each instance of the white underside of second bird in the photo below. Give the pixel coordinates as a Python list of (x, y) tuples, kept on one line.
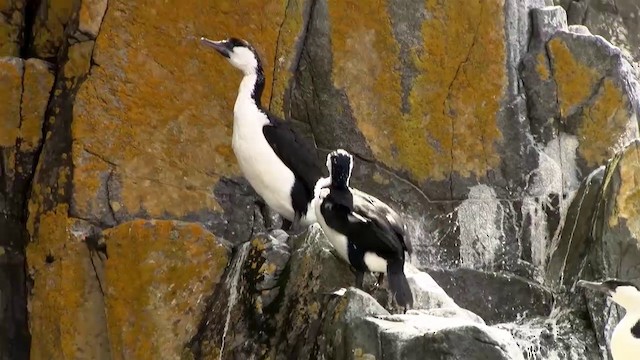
[(339, 241), (623, 345), (260, 165)]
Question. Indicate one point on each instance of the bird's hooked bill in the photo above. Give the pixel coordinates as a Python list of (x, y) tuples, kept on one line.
[(593, 286), (219, 46)]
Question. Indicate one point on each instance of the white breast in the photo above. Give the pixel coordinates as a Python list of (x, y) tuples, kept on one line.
[(266, 173), (375, 263), (336, 239), (623, 345)]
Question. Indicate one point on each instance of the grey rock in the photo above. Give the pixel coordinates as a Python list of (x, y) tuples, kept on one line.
[(568, 254), (618, 21), (615, 235), (372, 334), (494, 297), (564, 335)]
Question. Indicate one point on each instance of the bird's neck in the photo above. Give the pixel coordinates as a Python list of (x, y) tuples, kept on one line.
[(251, 87)]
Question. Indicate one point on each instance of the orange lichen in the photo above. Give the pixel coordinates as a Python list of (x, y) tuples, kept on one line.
[(627, 198), (90, 175), (78, 63), (455, 99), (157, 276), (166, 119), (291, 29), (11, 27), (602, 124), (38, 81), (575, 80), (542, 66), (11, 70), (63, 320)]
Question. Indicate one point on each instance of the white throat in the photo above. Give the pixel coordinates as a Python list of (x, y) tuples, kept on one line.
[(319, 191), (628, 297)]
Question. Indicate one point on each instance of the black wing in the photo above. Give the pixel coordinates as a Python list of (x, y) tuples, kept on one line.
[(365, 229), (369, 208), (295, 151)]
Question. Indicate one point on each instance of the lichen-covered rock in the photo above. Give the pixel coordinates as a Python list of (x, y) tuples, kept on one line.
[(616, 20), (11, 23), (155, 283), (50, 25), (24, 92), (477, 132), (182, 108), (504, 297), (615, 234), (146, 299)]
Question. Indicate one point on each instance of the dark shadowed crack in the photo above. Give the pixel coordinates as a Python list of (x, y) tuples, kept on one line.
[(297, 58), (109, 196), (93, 153), (277, 51)]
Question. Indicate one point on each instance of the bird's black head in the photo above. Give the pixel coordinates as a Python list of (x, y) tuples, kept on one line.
[(238, 52), (625, 293), (340, 165)]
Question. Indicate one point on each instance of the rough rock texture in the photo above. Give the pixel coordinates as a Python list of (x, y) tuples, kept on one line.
[(296, 309), (486, 123), (11, 26), (24, 93), (616, 20), (604, 242)]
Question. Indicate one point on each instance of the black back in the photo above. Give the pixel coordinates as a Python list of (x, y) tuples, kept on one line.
[(365, 235), (297, 154)]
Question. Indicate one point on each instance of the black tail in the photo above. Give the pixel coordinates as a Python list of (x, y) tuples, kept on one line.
[(398, 284)]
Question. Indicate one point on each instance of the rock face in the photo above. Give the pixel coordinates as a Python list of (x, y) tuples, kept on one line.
[(296, 309), (605, 243), (499, 131), (616, 20)]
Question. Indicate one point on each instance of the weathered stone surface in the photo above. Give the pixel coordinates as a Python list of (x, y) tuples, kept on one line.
[(359, 328), (51, 21), (581, 86), (616, 20), (24, 93), (495, 298), (574, 243), (63, 320), (428, 95), (189, 126), (615, 251), (155, 282), (270, 306), (90, 17), (11, 23), (564, 335)]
